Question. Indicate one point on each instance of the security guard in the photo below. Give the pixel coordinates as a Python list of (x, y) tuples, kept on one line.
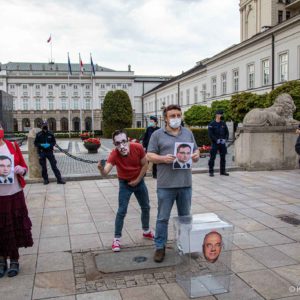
[(45, 141), (218, 134)]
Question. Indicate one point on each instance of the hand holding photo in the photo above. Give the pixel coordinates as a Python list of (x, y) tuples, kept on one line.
[(6, 169), (183, 153)]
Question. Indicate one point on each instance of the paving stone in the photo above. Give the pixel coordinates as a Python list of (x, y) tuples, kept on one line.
[(85, 241), (272, 237), (82, 228), (270, 257), (20, 287), (291, 232), (290, 273), (292, 250), (107, 295), (239, 290), (245, 240), (54, 231), (242, 262), (53, 284), (267, 283), (27, 264), (56, 244), (57, 261), (145, 293), (175, 292)]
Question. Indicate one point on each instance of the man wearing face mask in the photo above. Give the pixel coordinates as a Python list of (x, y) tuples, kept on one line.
[(218, 134), (45, 141), (130, 161), (172, 184), (152, 127)]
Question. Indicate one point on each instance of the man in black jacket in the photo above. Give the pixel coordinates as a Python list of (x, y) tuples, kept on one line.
[(218, 134), (152, 126), (45, 141)]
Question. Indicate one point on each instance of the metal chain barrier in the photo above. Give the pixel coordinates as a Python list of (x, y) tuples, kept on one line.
[(88, 161)]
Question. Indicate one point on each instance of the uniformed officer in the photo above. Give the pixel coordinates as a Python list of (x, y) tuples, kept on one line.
[(45, 141), (218, 134)]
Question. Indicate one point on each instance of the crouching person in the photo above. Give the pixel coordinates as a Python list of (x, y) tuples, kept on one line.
[(130, 161)]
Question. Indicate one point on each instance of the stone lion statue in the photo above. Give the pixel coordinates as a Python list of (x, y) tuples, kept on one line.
[(279, 114)]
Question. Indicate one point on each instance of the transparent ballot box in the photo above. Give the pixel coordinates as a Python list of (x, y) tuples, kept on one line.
[(203, 244)]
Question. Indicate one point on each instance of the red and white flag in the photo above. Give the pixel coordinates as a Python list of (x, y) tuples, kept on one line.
[(80, 65), (49, 39)]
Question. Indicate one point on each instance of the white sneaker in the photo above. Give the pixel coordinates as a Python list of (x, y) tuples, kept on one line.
[(116, 246)]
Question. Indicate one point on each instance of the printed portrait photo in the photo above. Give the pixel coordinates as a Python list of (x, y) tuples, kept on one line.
[(6, 169), (183, 153), (212, 246)]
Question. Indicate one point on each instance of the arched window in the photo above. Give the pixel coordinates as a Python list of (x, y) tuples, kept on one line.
[(64, 124), (52, 124)]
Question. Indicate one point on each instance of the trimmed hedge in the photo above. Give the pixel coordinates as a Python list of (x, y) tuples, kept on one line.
[(135, 133), (201, 136)]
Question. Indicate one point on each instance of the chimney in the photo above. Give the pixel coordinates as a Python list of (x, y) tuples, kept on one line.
[(129, 68)]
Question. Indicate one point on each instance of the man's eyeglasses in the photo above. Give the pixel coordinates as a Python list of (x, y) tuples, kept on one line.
[(123, 142)]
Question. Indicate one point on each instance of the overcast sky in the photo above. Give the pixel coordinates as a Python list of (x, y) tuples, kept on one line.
[(157, 37)]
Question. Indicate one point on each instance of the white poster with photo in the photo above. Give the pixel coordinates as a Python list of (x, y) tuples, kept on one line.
[(183, 153), (7, 164)]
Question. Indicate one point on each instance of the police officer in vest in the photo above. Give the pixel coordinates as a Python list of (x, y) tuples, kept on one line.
[(45, 141), (218, 134)]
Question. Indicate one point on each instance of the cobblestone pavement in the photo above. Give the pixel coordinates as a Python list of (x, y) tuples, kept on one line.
[(72, 222), (71, 167)]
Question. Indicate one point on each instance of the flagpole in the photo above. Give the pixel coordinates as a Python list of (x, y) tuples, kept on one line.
[(69, 98), (80, 104), (51, 50), (93, 131)]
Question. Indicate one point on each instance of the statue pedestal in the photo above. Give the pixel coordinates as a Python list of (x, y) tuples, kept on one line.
[(266, 148), (33, 158)]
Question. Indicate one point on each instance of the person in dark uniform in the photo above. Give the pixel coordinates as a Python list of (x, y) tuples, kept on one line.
[(45, 141), (218, 134), (152, 126)]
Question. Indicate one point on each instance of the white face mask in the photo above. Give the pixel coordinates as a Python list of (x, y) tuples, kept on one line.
[(175, 123)]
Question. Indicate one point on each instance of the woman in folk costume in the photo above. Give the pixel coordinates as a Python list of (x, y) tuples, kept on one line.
[(15, 225)]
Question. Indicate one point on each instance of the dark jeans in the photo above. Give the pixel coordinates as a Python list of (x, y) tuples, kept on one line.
[(141, 193), (213, 153), (43, 162), (166, 198)]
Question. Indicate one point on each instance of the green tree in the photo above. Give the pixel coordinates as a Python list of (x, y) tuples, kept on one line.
[(116, 112), (293, 88), (242, 103), (198, 115), (221, 105)]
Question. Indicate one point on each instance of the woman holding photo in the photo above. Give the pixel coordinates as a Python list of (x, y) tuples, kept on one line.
[(15, 225)]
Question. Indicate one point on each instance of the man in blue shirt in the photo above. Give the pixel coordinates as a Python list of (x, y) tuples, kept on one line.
[(218, 134)]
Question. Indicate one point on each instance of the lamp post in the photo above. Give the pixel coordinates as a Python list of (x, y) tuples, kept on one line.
[(161, 118)]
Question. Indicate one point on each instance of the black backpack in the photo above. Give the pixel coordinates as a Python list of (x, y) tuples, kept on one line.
[(297, 146)]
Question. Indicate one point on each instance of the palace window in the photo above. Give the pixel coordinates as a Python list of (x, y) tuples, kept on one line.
[(235, 74), (214, 86), (38, 104), (75, 103), (195, 94), (25, 104), (266, 72), (204, 92), (283, 67), (250, 71), (63, 104), (50, 104), (187, 96), (223, 83)]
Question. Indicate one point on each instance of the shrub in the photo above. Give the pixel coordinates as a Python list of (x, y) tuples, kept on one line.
[(201, 136), (197, 115), (221, 105), (135, 133), (117, 112), (242, 103), (292, 88)]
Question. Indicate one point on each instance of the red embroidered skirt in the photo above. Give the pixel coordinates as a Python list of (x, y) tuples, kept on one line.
[(15, 225)]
